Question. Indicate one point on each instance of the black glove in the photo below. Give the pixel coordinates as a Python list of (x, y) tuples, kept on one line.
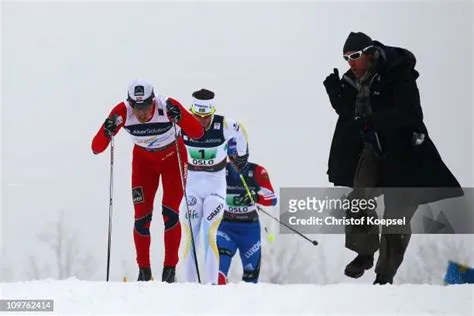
[(173, 111), (240, 161), (110, 125), (333, 84), (244, 198)]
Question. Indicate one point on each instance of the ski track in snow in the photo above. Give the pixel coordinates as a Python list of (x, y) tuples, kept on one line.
[(132, 298)]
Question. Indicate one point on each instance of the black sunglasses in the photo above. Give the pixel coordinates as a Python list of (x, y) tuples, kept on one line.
[(142, 105)]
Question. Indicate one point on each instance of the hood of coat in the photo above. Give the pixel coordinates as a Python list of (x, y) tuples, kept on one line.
[(392, 58)]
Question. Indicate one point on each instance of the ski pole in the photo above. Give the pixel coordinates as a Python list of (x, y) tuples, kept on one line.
[(314, 242), (110, 203), (186, 200)]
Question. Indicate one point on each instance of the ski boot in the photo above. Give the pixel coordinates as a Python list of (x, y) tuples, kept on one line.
[(356, 268), (169, 275), (144, 274)]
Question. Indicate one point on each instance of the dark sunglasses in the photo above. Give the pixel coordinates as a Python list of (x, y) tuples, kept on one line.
[(356, 55), (141, 105)]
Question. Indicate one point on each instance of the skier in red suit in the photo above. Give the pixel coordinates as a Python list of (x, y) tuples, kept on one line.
[(148, 119)]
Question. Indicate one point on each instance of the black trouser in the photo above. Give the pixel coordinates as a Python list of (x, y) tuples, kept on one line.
[(364, 239)]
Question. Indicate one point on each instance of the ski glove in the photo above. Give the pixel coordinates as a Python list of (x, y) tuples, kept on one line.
[(110, 125), (333, 84), (244, 198), (174, 112)]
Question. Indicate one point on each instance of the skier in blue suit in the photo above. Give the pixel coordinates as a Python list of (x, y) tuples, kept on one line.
[(240, 226)]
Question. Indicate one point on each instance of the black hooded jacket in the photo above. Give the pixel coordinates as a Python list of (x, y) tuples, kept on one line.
[(409, 160)]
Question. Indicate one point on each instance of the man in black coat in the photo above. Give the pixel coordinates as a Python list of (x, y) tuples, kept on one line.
[(380, 146)]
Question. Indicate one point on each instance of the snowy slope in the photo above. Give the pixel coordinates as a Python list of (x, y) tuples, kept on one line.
[(80, 297)]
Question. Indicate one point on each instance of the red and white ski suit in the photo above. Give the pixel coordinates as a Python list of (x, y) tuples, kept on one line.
[(154, 156)]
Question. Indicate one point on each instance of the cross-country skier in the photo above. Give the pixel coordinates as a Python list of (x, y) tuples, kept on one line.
[(206, 182), (148, 119), (240, 226)]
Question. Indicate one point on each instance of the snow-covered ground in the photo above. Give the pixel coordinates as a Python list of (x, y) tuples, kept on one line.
[(87, 297)]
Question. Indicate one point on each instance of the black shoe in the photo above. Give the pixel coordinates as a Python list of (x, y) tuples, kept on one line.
[(383, 280), (144, 274), (356, 268), (169, 274)]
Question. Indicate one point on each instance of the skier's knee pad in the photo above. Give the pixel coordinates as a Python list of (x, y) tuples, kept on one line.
[(142, 225), (225, 252), (170, 217), (251, 275)]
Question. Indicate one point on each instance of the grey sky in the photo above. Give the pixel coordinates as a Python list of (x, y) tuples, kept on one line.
[(66, 65)]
